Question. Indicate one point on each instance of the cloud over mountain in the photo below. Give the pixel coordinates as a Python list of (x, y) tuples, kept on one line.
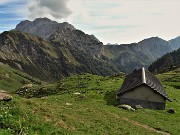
[(48, 8)]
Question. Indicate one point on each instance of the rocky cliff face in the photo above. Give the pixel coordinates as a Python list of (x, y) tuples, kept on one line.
[(80, 41), (42, 27), (64, 33)]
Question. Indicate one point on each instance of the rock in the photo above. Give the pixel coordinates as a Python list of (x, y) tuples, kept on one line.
[(138, 107), (4, 96), (77, 93), (171, 110), (126, 107), (68, 104), (27, 86)]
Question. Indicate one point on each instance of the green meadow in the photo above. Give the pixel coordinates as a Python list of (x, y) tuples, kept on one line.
[(81, 105)]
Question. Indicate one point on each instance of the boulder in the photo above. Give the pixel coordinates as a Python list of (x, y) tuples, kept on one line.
[(68, 104), (171, 110), (126, 107), (77, 93), (27, 86), (4, 96)]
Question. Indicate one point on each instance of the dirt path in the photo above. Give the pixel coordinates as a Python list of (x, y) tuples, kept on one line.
[(141, 125)]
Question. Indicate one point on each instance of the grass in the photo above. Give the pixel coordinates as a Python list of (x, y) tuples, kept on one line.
[(86, 104), (11, 79)]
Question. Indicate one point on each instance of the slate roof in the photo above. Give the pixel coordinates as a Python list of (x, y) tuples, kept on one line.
[(139, 77)]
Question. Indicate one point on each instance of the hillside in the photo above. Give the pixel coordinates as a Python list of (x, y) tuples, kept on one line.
[(51, 60), (136, 55), (11, 79), (86, 104), (166, 63)]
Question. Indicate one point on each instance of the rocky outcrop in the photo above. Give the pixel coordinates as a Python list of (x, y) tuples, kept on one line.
[(4, 96), (78, 40)]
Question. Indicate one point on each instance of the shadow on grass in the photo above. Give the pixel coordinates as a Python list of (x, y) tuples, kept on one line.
[(110, 98)]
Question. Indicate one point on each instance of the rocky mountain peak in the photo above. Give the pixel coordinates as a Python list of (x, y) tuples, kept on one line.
[(153, 40), (45, 19), (42, 27)]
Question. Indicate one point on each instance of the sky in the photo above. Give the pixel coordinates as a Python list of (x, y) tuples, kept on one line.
[(111, 21)]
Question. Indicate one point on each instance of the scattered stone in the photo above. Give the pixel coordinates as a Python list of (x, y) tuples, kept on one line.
[(77, 93), (171, 110), (7, 76), (4, 96), (27, 86), (138, 107), (126, 107), (68, 104)]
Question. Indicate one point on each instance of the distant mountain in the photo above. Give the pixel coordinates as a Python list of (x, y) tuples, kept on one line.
[(175, 43), (136, 55), (166, 63), (42, 27)]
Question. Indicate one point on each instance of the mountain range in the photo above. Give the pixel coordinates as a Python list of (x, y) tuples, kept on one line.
[(136, 55), (50, 50)]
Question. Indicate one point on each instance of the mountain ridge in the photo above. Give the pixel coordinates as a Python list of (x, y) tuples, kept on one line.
[(137, 55), (61, 50)]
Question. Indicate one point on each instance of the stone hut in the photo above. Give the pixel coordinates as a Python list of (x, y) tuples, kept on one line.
[(142, 88)]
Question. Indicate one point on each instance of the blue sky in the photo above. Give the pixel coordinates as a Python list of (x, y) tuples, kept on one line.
[(111, 21), (10, 13)]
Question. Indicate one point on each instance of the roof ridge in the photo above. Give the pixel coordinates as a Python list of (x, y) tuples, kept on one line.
[(143, 75)]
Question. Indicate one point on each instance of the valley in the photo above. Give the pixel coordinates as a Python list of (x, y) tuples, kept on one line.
[(64, 81)]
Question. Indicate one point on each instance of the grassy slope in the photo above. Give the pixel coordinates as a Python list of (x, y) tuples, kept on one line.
[(94, 111), (11, 79)]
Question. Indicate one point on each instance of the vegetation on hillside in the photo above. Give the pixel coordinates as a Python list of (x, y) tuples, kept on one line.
[(166, 63), (86, 104), (11, 79)]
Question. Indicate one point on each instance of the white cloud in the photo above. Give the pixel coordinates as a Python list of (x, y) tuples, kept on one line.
[(126, 21), (54, 9)]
